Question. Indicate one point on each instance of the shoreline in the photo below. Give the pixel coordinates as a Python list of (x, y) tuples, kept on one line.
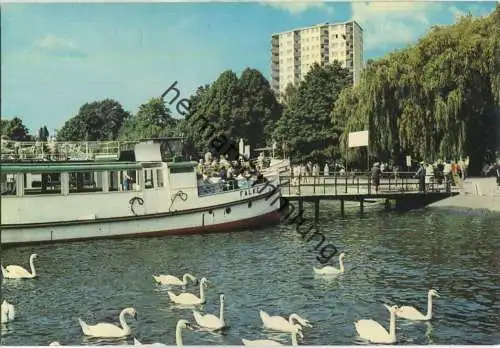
[(477, 194)]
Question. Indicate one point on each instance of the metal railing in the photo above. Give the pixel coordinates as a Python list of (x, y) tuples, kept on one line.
[(63, 150), (363, 183), (226, 186)]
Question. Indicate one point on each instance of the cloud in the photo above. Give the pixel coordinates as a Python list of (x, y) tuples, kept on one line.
[(475, 10), (55, 45), (391, 23), (297, 7), (387, 24)]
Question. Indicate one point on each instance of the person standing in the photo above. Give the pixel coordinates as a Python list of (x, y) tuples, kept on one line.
[(498, 172), (326, 170), (421, 177), (376, 172), (126, 182)]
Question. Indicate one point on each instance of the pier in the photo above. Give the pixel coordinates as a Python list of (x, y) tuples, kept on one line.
[(396, 192)]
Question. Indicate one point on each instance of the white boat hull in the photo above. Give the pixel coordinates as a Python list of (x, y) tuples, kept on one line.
[(240, 214)]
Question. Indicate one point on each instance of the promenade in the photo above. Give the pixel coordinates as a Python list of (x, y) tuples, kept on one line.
[(478, 193)]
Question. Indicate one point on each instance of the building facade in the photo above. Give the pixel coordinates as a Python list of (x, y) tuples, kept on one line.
[(293, 52)]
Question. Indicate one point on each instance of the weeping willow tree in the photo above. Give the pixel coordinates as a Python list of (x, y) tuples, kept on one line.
[(437, 99)]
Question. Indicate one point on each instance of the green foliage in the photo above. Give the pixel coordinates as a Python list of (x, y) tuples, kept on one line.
[(15, 130), (243, 107), (99, 120), (306, 125), (437, 99), (153, 120), (43, 133)]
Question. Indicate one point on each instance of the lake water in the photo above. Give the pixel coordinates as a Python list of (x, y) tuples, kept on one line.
[(390, 258)]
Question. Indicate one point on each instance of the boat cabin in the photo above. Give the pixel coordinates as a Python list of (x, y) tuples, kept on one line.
[(148, 172)]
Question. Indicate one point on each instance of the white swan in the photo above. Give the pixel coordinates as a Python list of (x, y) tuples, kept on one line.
[(187, 298), (109, 330), (278, 323), (181, 324), (264, 343), (210, 321), (330, 269), (55, 343), (172, 280), (374, 332), (18, 272), (137, 343), (8, 312), (411, 313)]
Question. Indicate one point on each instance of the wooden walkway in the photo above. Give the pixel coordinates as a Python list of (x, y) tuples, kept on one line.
[(401, 193)]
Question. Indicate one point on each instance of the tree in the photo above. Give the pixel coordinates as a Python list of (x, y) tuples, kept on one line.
[(153, 120), (243, 107), (15, 130), (99, 120), (306, 124), (43, 133), (437, 99)]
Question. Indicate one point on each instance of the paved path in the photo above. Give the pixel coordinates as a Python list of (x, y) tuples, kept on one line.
[(479, 193)]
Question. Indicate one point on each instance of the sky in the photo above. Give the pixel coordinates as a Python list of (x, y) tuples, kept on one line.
[(56, 57)]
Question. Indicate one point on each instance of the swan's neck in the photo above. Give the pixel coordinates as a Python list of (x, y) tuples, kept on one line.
[(202, 292), (341, 264), (429, 307), (123, 323), (392, 326), (185, 279), (32, 266), (221, 311), (294, 339), (178, 336)]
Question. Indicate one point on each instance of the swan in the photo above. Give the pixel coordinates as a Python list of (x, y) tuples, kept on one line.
[(109, 330), (411, 313), (55, 343), (18, 272), (181, 324), (187, 298), (210, 321), (8, 312), (278, 323), (372, 331), (264, 343), (330, 269), (137, 343), (172, 280)]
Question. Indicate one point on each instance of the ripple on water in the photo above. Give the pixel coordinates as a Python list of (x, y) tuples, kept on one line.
[(390, 258)]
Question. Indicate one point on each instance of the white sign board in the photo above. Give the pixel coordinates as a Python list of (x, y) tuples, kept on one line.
[(408, 161), (147, 152), (357, 139)]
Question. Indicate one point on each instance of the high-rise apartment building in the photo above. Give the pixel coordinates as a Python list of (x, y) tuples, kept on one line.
[(293, 52)]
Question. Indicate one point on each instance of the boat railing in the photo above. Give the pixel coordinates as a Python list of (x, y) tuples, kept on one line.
[(207, 189), (63, 150)]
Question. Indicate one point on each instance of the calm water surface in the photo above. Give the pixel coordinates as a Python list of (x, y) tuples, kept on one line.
[(390, 258)]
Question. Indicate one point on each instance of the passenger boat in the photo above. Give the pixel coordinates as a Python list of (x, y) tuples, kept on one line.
[(48, 201)]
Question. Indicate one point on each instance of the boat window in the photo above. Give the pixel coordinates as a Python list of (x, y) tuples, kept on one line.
[(176, 170), (148, 179), (114, 181), (8, 184), (44, 183), (85, 182), (159, 177)]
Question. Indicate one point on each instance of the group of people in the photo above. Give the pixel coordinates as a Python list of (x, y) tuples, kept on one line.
[(438, 173), (311, 170), (232, 174)]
